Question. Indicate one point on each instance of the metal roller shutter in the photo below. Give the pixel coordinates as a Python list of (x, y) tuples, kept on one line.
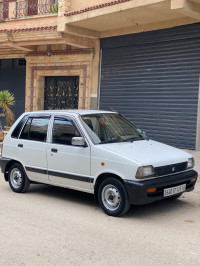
[(13, 78), (154, 82)]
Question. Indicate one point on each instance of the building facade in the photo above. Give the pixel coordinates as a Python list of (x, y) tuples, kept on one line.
[(56, 62), (140, 58)]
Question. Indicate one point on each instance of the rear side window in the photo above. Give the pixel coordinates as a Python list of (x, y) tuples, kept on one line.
[(16, 131), (36, 129)]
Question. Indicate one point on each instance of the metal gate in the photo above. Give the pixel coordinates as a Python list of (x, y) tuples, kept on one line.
[(61, 93), (153, 79)]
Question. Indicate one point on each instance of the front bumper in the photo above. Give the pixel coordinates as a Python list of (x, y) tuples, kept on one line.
[(137, 190)]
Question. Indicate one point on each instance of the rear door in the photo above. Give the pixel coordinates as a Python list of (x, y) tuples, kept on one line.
[(32, 147), (68, 165)]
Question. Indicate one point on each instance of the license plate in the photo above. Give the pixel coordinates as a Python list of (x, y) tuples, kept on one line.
[(174, 190)]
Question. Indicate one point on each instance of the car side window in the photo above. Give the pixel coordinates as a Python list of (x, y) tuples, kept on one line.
[(36, 129), (18, 128), (63, 131), (25, 131)]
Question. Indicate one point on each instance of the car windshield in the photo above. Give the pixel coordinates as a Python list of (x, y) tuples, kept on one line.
[(110, 128)]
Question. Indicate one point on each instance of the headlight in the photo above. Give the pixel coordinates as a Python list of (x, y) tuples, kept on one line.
[(190, 163), (145, 171)]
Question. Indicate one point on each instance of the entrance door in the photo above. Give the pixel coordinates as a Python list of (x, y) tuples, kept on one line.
[(61, 93)]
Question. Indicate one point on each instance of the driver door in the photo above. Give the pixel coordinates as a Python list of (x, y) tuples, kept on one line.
[(68, 165)]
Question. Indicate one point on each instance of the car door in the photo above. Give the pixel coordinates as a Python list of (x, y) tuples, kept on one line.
[(68, 165), (32, 147)]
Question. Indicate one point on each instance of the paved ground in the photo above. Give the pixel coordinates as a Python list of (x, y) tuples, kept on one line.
[(55, 226)]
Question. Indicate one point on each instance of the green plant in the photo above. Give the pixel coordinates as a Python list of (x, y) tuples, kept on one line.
[(7, 100), (54, 8)]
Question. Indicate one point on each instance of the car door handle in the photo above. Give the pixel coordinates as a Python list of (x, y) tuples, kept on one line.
[(20, 145), (54, 150)]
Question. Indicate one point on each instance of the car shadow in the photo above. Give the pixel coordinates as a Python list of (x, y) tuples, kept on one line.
[(136, 211), (162, 207), (62, 194)]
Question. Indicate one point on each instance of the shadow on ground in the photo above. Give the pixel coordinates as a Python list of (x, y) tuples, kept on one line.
[(62, 194), (143, 211), (162, 207)]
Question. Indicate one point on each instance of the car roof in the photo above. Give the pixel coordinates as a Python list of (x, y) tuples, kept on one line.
[(71, 111)]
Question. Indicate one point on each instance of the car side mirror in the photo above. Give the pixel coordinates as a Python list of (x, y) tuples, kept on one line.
[(78, 141)]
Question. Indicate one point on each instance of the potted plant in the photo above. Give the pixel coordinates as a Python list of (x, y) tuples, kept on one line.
[(6, 101), (1, 130), (54, 8)]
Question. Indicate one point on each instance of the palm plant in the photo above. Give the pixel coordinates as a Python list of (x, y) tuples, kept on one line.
[(7, 100)]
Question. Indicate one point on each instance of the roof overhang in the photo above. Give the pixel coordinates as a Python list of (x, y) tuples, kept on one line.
[(121, 17), (25, 41)]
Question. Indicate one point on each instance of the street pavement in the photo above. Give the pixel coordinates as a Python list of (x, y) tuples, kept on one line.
[(57, 226)]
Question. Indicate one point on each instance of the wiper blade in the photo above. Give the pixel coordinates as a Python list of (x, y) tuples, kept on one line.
[(132, 139), (122, 140), (110, 141)]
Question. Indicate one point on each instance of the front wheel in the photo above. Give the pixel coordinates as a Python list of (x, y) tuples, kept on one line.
[(112, 197), (18, 179)]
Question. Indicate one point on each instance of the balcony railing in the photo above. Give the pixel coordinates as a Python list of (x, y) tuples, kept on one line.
[(19, 9), (4, 6)]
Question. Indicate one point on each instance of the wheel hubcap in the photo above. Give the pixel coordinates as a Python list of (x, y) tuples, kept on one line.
[(16, 178), (111, 197)]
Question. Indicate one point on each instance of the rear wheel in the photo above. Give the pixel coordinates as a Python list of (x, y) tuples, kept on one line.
[(18, 179), (112, 197)]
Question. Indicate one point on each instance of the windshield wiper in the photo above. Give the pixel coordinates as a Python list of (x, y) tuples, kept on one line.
[(123, 140), (133, 139), (110, 141)]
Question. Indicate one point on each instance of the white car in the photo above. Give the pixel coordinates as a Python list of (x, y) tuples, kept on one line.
[(97, 152)]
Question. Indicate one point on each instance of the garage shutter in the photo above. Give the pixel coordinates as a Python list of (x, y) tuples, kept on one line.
[(153, 80), (13, 78)]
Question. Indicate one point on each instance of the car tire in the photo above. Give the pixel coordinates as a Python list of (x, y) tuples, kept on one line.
[(18, 179), (113, 198)]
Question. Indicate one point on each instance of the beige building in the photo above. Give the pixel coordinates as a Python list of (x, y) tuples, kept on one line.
[(67, 66)]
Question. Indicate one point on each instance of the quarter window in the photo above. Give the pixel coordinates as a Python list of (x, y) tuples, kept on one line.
[(18, 128), (25, 131), (36, 129), (63, 131)]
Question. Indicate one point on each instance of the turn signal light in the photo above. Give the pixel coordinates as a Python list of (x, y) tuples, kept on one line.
[(151, 190), (193, 180)]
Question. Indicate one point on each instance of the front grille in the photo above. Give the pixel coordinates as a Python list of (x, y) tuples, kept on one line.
[(170, 169)]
